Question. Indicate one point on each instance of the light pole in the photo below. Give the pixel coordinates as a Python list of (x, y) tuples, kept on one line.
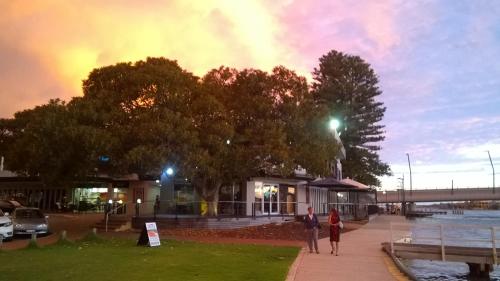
[(333, 125), (386, 202), (409, 166), (403, 196), (493, 168)]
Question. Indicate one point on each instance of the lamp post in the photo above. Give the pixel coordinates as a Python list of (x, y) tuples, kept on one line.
[(137, 206), (409, 166), (386, 201), (333, 125), (492, 168), (403, 197), (167, 192)]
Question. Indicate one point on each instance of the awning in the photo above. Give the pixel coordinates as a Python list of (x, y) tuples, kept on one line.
[(357, 184), (330, 182), (342, 185)]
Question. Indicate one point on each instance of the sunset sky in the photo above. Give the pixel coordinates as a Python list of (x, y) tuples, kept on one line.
[(438, 61)]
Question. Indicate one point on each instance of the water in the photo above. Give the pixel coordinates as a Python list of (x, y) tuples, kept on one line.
[(434, 270)]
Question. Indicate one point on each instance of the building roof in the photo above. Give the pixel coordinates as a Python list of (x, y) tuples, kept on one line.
[(357, 184), (329, 182), (342, 185)]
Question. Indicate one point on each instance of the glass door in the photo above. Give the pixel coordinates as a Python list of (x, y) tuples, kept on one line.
[(270, 201)]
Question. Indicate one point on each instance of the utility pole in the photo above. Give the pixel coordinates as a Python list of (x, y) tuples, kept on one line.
[(493, 168), (452, 187), (409, 166)]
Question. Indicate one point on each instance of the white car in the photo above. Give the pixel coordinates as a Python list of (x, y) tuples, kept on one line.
[(6, 227)]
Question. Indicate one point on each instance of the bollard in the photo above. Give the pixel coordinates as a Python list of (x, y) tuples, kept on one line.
[(94, 231), (1, 240), (63, 235), (33, 237)]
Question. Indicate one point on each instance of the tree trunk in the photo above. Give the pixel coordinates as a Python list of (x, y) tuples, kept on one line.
[(209, 192), (212, 205)]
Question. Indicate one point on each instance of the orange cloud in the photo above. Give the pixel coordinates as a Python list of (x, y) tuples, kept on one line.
[(67, 39)]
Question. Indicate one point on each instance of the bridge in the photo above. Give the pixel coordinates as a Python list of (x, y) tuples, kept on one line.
[(438, 195)]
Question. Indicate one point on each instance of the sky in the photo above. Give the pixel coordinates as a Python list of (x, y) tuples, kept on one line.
[(437, 62)]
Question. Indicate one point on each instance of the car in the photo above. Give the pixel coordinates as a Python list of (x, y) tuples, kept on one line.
[(29, 221), (8, 206), (6, 227)]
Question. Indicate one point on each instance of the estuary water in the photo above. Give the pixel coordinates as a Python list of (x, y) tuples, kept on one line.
[(455, 234)]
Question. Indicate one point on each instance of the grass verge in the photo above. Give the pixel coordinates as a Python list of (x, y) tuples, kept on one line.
[(118, 259)]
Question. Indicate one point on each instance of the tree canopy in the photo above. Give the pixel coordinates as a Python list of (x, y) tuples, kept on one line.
[(218, 129)]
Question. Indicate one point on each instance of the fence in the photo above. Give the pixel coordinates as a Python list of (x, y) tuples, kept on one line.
[(249, 209)]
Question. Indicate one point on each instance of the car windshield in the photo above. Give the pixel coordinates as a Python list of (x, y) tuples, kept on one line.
[(28, 213)]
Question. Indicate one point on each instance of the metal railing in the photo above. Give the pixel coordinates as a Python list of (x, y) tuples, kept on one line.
[(240, 209), (114, 211), (436, 234)]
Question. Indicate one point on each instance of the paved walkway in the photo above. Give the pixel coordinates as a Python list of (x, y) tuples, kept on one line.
[(360, 257)]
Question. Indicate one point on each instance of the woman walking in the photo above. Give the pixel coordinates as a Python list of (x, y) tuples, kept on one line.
[(334, 222)]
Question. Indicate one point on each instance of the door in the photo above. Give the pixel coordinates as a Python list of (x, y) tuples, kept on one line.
[(270, 201)]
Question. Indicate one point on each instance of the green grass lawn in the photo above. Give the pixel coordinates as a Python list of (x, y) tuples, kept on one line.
[(122, 260)]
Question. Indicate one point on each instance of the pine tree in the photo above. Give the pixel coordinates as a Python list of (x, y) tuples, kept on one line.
[(348, 86)]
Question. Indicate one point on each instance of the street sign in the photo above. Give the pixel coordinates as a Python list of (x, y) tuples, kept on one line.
[(149, 235)]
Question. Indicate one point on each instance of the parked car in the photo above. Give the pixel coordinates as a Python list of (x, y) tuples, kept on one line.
[(6, 228), (8, 206), (29, 221)]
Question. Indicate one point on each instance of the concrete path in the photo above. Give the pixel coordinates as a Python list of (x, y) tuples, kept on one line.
[(360, 256)]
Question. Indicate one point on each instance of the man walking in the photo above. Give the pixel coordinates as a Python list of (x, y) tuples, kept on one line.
[(312, 227)]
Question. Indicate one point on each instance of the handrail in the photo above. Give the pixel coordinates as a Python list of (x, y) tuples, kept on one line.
[(113, 210), (443, 237)]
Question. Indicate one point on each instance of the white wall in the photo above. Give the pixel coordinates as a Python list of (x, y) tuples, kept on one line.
[(250, 196), (301, 200)]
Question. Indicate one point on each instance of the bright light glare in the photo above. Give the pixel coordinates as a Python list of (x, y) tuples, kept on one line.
[(334, 124), (170, 171)]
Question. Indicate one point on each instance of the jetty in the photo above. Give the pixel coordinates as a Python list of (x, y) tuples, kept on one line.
[(480, 253), (425, 213)]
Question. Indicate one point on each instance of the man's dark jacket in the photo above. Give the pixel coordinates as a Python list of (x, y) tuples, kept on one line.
[(311, 223)]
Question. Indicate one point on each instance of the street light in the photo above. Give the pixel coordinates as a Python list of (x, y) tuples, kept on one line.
[(137, 206), (409, 166), (334, 124), (493, 168), (169, 171), (403, 207)]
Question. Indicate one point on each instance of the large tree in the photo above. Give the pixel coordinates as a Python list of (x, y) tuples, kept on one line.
[(48, 142), (348, 86)]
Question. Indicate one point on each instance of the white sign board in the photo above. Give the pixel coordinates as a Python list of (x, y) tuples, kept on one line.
[(153, 236)]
